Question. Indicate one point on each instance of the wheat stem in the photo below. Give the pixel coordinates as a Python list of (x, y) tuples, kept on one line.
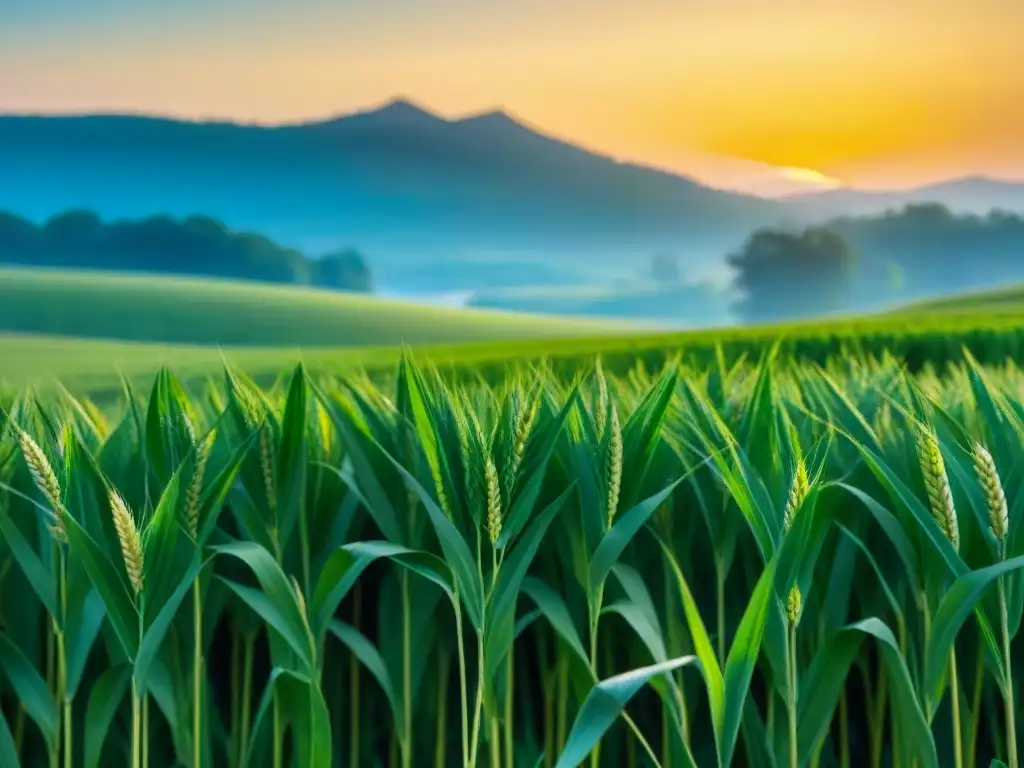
[(440, 740), (355, 701), (877, 735), (463, 688), (246, 716), (595, 619), (495, 739), (474, 741), (136, 725), (844, 731), (406, 737), (954, 696), (62, 659), (278, 758), (548, 684), (720, 607), (235, 689), (793, 604), (1008, 699), (197, 674), (145, 730), (561, 724), (509, 688)]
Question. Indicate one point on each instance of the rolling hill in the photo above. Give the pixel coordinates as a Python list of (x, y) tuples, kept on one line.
[(1007, 299), (94, 365), (85, 328), (195, 311)]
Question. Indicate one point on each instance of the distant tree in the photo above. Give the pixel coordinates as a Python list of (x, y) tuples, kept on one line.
[(19, 239), (934, 249), (197, 245), (346, 270), (665, 268), (75, 234), (790, 274)]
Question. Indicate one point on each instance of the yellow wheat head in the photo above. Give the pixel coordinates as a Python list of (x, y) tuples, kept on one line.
[(45, 480), (131, 542)]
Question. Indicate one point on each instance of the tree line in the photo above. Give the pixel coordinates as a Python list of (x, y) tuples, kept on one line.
[(196, 245), (852, 263)]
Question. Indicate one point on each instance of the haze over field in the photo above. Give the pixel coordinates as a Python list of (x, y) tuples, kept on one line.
[(589, 159)]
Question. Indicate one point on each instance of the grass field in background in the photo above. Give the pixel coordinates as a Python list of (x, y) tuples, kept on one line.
[(1008, 299), (173, 310), (138, 323), (95, 364)]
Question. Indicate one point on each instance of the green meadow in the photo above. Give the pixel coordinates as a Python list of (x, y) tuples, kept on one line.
[(87, 329)]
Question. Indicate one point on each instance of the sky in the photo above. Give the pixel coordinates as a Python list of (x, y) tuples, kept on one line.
[(768, 96)]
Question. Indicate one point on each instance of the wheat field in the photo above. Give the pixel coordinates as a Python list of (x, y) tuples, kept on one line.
[(755, 561)]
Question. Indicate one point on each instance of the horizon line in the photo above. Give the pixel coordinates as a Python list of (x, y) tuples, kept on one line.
[(402, 100)]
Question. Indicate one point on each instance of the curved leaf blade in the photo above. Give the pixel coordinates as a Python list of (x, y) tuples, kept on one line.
[(604, 704)]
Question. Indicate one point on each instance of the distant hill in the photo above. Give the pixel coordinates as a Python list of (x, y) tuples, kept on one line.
[(435, 204), (201, 311), (969, 195), (395, 181)]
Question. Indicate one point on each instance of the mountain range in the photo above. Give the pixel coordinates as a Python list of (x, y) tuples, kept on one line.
[(973, 194), (403, 184)]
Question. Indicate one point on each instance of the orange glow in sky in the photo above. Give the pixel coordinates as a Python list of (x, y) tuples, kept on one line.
[(755, 94)]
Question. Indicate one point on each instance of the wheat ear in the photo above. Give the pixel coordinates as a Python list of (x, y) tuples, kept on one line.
[(940, 495), (195, 487), (493, 501), (798, 492), (524, 425), (995, 498), (601, 406), (45, 480), (267, 465), (614, 466), (131, 542), (793, 604)]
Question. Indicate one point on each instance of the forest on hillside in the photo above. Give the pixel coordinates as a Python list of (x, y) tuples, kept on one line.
[(195, 245), (863, 262), (928, 248)]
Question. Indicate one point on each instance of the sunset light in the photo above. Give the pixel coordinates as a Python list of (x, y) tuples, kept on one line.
[(878, 93), (810, 177), (511, 383)]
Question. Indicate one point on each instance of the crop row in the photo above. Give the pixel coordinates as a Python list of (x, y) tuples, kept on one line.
[(770, 564)]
